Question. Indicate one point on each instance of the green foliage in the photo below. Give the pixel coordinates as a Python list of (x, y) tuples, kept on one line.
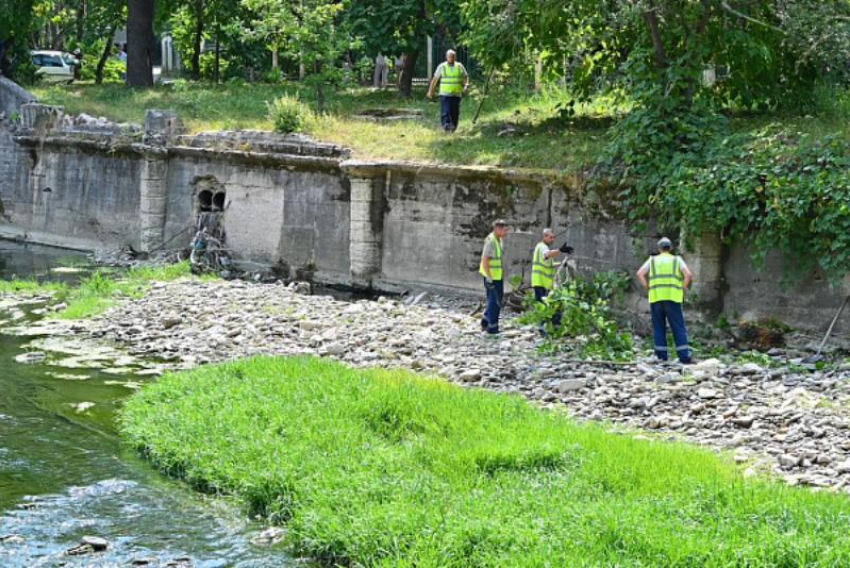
[(31, 286), (773, 189), (208, 66), (380, 468), (584, 306), (113, 70), (774, 52), (287, 114), (100, 290)]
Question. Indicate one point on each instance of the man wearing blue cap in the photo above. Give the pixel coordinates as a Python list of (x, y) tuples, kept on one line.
[(668, 279)]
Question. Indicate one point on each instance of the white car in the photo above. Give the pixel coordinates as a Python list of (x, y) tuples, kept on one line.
[(54, 66)]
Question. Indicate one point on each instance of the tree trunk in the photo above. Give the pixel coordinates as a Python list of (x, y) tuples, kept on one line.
[(81, 21), (275, 60), (651, 18), (140, 43), (107, 47), (405, 82), (195, 62)]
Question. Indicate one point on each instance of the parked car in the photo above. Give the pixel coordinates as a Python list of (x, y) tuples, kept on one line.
[(54, 66)]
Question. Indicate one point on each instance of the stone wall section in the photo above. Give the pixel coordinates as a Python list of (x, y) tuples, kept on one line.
[(307, 211)]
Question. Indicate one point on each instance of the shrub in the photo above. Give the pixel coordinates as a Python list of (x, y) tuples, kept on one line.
[(208, 66), (288, 114), (113, 71)]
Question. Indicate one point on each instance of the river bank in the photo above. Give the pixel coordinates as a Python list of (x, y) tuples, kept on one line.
[(780, 418), (65, 474)]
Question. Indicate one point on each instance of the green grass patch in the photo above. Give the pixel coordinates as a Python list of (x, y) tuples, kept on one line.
[(534, 131), (30, 287), (375, 467), (98, 292), (538, 140), (94, 294)]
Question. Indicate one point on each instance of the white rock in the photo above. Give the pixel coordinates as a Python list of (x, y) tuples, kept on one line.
[(570, 385), (470, 375), (707, 393)]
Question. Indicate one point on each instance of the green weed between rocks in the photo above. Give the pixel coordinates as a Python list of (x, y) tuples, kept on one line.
[(94, 294), (381, 468)]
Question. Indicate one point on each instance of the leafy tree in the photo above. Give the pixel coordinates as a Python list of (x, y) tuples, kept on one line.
[(402, 26), (774, 50), (307, 32), (16, 22)]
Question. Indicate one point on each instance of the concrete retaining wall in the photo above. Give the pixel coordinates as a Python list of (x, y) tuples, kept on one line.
[(12, 96), (308, 211)]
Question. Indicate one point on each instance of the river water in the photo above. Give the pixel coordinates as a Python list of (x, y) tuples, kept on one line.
[(65, 474)]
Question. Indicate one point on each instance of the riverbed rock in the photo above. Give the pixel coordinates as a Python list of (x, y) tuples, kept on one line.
[(570, 385), (269, 536), (470, 375), (96, 542), (706, 393), (778, 419), (30, 357)]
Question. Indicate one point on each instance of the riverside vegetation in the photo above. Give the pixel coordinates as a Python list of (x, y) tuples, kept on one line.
[(95, 293), (375, 467)]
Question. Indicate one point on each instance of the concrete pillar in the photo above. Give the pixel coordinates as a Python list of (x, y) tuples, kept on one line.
[(705, 259), (366, 229), (160, 127), (153, 201), (41, 118)]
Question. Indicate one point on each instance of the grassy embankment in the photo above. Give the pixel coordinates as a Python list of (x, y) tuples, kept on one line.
[(372, 467), (97, 292), (540, 140)]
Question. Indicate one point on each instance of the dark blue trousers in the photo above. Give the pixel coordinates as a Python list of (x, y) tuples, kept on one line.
[(449, 112), (539, 293), (490, 321), (664, 313)]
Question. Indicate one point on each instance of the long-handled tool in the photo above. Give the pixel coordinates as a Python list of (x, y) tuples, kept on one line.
[(817, 356)]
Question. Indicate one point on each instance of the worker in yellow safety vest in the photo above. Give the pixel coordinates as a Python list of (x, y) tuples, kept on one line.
[(543, 270), (667, 278), (492, 270), (453, 80)]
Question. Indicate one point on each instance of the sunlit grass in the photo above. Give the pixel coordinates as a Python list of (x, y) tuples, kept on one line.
[(381, 468), (99, 291)]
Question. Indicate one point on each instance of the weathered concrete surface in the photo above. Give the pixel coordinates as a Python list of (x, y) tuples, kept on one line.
[(752, 294), (12, 96), (308, 211)]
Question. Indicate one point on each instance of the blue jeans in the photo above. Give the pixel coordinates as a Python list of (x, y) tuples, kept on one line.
[(539, 293), (669, 312), (490, 321), (449, 112)]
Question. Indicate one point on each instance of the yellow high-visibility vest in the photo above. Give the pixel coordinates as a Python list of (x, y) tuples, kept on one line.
[(542, 268), (451, 80), (496, 261), (666, 279)]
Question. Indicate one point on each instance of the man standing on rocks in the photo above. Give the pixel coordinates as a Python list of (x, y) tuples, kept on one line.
[(543, 270), (669, 278), (491, 270), (454, 81)]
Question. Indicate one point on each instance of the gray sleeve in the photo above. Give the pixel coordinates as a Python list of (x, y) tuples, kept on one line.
[(439, 71), (488, 251)]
